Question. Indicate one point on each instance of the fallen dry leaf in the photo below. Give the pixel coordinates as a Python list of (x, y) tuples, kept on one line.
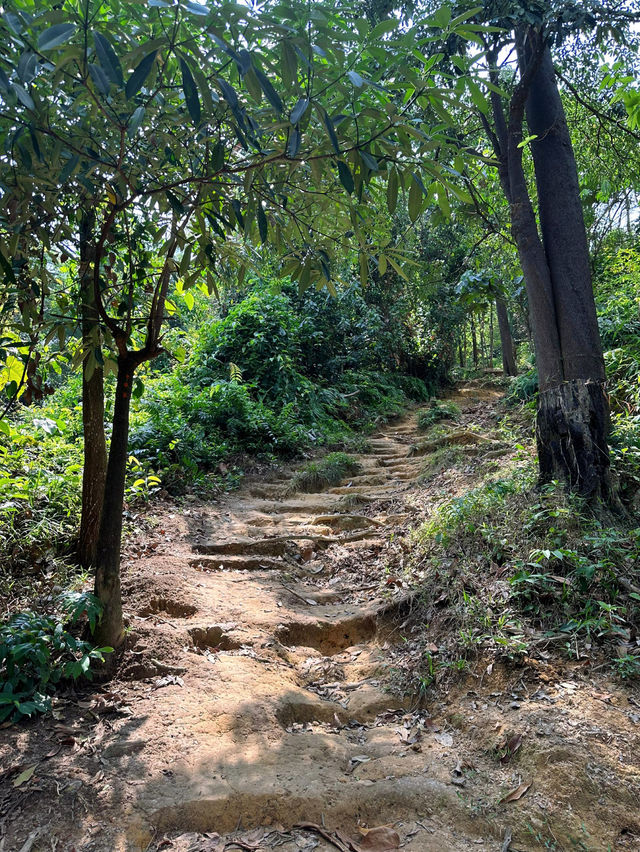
[(511, 747), (516, 794), (379, 839), (25, 776)]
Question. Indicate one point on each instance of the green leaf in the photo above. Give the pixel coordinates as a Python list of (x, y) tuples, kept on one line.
[(328, 123), (441, 18), (253, 86), (263, 225), (293, 145), (196, 8), (108, 59), (55, 36), (140, 74), (478, 98), (384, 27), (135, 121), (269, 92), (299, 110), (175, 203), (356, 79), (190, 92), (364, 269), (415, 200), (23, 96), (8, 269), (346, 178), (369, 161), (392, 191), (100, 79), (397, 268)]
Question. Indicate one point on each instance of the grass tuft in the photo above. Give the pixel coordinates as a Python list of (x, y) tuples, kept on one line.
[(323, 473), (437, 412)]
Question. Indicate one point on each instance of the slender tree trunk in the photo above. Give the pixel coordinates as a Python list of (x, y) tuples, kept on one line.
[(95, 451), (483, 347), (506, 340), (491, 336), (460, 355), (573, 417), (107, 583), (474, 342)]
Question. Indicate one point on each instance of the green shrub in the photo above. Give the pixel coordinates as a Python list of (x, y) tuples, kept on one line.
[(436, 412), (524, 388), (37, 652)]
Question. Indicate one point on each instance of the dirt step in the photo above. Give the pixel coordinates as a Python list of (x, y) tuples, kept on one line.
[(224, 562), (276, 546), (216, 636), (343, 521), (243, 546), (380, 491), (264, 798), (330, 636)]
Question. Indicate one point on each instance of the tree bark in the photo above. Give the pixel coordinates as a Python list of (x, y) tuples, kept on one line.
[(95, 450), (110, 631), (491, 336), (506, 340), (474, 342), (573, 416)]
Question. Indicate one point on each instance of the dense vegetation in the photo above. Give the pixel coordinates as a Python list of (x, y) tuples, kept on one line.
[(223, 261)]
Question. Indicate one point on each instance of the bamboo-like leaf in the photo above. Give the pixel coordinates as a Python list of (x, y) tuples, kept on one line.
[(190, 92), (294, 143), (299, 110), (140, 74), (100, 79), (328, 123), (392, 191), (55, 36), (263, 225), (346, 178), (415, 200), (108, 59), (269, 92)]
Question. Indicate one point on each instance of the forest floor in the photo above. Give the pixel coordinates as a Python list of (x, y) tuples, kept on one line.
[(261, 702)]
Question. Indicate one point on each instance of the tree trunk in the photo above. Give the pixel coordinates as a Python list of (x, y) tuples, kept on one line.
[(110, 631), (506, 340), (573, 418), (491, 336), (95, 450), (474, 342)]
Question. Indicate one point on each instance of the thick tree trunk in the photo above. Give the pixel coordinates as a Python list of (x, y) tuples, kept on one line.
[(110, 631), (506, 340), (571, 429), (573, 417), (562, 224), (95, 450)]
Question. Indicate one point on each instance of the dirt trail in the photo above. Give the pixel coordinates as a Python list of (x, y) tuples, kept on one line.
[(254, 694)]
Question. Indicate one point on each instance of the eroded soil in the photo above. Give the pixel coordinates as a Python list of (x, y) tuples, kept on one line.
[(254, 693)]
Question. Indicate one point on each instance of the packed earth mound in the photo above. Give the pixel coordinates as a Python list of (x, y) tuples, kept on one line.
[(258, 704)]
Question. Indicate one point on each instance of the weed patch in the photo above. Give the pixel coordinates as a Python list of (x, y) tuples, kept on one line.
[(323, 473), (437, 412)]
